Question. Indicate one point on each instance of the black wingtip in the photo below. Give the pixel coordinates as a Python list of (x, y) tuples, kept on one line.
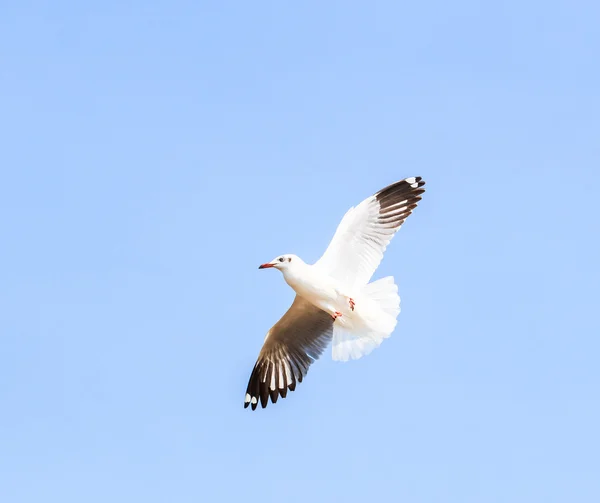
[(412, 184)]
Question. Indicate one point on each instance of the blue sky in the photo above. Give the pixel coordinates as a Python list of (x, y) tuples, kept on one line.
[(155, 153)]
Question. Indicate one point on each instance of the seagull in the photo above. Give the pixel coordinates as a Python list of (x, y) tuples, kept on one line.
[(335, 300)]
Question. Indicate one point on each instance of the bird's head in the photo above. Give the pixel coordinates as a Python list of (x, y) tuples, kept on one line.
[(282, 262)]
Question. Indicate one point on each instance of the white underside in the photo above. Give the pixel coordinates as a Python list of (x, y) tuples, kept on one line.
[(373, 320)]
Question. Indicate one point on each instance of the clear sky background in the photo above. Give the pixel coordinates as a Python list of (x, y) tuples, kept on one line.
[(153, 154)]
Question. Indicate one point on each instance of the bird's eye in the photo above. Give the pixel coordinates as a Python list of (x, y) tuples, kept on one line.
[(289, 259), (280, 259)]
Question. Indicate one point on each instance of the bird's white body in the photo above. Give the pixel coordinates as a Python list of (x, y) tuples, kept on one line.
[(316, 287)]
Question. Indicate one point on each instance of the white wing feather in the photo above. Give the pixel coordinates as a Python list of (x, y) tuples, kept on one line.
[(365, 231)]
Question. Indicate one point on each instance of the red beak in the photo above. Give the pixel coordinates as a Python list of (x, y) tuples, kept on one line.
[(265, 266)]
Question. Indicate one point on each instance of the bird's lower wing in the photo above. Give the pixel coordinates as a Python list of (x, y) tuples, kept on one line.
[(290, 347)]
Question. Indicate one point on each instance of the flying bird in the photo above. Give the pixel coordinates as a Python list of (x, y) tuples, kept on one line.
[(335, 300)]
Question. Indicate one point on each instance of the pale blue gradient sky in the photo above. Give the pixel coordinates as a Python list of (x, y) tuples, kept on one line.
[(154, 153)]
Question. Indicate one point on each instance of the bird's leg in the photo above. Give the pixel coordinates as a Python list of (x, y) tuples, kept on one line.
[(336, 315), (347, 298)]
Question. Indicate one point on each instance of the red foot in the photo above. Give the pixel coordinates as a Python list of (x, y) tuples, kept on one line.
[(336, 315), (352, 303)]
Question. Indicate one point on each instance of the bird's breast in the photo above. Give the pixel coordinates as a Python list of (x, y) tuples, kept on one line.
[(315, 288)]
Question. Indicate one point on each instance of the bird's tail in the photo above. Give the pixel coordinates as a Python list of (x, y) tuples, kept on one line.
[(373, 320)]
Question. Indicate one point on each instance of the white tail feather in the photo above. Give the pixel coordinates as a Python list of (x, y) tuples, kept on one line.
[(373, 320)]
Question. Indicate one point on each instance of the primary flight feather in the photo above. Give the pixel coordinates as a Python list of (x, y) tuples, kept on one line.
[(334, 299)]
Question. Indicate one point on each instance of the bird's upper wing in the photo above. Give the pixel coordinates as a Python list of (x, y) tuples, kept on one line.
[(290, 347), (365, 231)]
